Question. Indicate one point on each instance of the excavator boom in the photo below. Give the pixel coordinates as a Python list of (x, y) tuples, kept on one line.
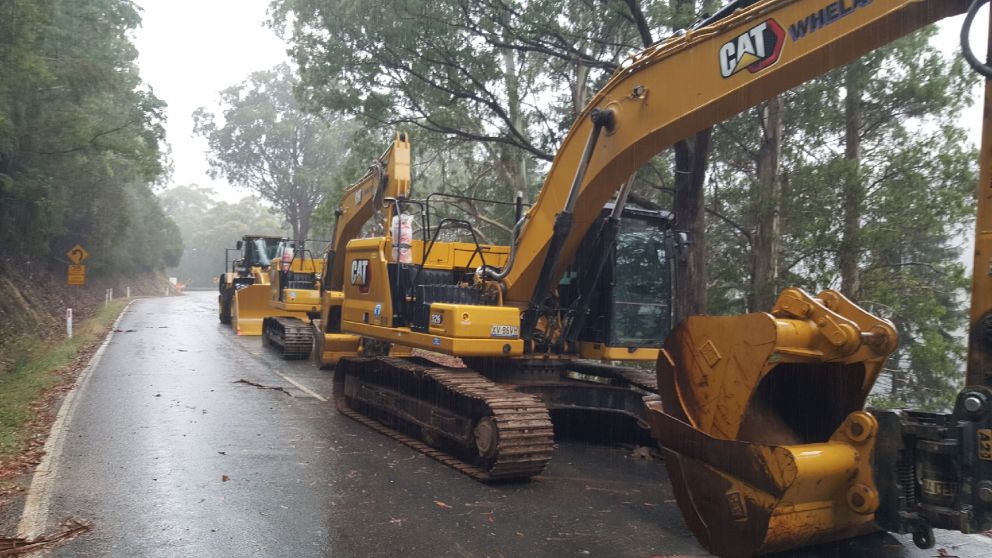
[(690, 82), (387, 177)]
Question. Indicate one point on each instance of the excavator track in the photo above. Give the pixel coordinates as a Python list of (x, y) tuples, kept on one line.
[(458, 417), (646, 380), (292, 337)]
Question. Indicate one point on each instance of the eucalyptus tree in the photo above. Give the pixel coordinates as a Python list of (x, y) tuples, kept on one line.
[(263, 141)]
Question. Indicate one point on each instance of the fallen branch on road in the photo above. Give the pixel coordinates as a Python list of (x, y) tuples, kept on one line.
[(260, 386), (14, 546)]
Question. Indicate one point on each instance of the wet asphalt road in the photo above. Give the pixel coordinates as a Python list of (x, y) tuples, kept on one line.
[(163, 422)]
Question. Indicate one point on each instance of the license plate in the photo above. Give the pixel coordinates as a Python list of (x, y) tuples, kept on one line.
[(504, 331)]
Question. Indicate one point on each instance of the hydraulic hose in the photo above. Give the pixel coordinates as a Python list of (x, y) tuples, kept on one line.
[(981, 67)]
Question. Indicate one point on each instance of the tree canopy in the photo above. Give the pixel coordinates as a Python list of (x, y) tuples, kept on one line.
[(264, 142), (209, 226), (80, 138)]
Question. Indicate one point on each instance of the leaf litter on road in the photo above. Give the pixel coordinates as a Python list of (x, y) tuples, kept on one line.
[(71, 528), (262, 386)]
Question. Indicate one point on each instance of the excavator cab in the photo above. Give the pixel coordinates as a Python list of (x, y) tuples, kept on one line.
[(629, 313)]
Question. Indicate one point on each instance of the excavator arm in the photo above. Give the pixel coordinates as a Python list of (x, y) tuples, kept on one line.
[(387, 177), (680, 86)]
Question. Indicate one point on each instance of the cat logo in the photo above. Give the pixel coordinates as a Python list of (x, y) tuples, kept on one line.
[(360, 275), (755, 49)]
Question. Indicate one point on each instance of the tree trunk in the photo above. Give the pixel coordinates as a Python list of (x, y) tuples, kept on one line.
[(852, 190), (304, 228), (514, 161), (691, 158), (766, 207)]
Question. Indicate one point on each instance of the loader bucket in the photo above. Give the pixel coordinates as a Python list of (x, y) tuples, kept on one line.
[(761, 417), (251, 306)]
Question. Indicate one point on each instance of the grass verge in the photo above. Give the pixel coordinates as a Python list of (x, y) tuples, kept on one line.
[(39, 366)]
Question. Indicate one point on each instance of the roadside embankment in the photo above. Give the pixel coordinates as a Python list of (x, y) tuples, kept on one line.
[(38, 362)]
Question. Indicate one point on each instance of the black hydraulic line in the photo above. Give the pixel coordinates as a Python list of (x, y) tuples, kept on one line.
[(601, 118), (605, 243), (724, 12), (980, 67)]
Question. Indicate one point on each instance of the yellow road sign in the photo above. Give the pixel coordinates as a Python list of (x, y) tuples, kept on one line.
[(77, 275), (77, 254)]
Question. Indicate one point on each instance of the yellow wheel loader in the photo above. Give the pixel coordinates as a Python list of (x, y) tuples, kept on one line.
[(244, 285), (762, 416)]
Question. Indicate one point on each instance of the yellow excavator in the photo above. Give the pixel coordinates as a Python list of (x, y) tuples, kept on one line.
[(387, 179), (762, 417), (244, 285), (293, 300)]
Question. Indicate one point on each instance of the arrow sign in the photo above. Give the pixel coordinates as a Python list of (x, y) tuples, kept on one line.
[(77, 254)]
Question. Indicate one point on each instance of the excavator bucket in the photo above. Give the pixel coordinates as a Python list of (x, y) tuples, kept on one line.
[(761, 417), (251, 306)]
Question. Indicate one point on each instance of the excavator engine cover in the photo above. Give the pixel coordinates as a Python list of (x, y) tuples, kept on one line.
[(761, 418)]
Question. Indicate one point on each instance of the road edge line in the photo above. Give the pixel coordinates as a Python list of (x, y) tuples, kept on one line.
[(301, 387), (34, 516)]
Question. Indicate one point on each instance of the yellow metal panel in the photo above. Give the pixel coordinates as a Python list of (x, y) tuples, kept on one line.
[(599, 351), (440, 344), (367, 297), (465, 320), (300, 300), (330, 347), (450, 255), (251, 306)]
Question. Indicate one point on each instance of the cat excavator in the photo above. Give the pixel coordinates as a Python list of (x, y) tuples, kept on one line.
[(762, 417), (305, 299), (386, 180), (294, 299)]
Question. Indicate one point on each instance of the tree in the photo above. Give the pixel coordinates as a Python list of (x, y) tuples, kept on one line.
[(79, 138), (874, 192), (267, 144), (209, 227)]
